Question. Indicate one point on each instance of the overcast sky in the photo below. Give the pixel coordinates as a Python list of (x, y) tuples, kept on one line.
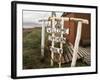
[(31, 18)]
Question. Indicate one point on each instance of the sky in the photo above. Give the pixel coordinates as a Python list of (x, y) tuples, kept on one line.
[(31, 18)]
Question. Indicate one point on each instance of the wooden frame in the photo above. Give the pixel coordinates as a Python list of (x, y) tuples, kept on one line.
[(16, 7)]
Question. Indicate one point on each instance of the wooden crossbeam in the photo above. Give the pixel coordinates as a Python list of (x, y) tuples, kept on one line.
[(85, 21)]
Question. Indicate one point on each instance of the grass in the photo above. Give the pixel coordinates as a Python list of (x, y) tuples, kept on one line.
[(32, 51)]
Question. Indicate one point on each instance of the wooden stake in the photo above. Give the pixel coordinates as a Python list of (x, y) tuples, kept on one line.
[(60, 56), (52, 44), (61, 44), (43, 39), (77, 40)]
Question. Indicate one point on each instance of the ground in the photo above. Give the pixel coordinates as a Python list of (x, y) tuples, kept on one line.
[(32, 51)]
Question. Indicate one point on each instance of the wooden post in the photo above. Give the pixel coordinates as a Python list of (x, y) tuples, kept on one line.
[(77, 40), (61, 44), (43, 36), (52, 44), (43, 39), (53, 26)]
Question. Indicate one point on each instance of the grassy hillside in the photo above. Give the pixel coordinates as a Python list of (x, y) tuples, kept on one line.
[(31, 50)]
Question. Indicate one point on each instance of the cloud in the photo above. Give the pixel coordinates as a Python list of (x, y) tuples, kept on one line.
[(31, 18)]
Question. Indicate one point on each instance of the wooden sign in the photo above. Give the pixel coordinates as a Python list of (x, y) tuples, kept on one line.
[(57, 39), (56, 50), (57, 30)]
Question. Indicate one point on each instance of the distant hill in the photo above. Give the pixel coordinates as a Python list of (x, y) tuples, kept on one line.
[(30, 29), (31, 24)]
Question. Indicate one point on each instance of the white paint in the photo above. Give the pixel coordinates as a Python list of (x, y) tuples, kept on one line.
[(43, 38), (52, 44), (57, 39), (77, 40), (71, 18), (54, 30), (80, 19), (61, 44)]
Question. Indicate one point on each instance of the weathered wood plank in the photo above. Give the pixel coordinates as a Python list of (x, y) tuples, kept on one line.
[(71, 51), (80, 53), (86, 54)]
